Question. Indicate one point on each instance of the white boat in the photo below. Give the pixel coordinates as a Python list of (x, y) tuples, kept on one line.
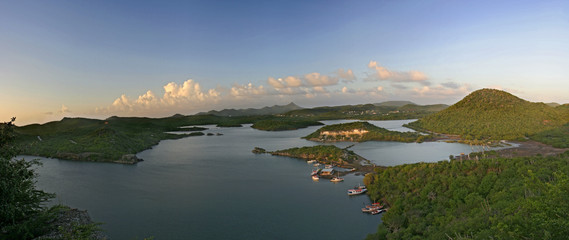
[(376, 211), (356, 191), (311, 161), (337, 179), (315, 177), (329, 166), (315, 172), (316, 164)]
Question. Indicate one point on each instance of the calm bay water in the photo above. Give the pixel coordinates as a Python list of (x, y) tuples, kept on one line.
[(213, 187)]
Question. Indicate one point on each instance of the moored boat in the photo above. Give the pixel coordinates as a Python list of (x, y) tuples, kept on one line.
[(356, 191), (376, 211), (315, 177), (336, 179), (311, 161), (314, 172)]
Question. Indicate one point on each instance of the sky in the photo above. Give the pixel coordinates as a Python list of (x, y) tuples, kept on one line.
[(99, 59)]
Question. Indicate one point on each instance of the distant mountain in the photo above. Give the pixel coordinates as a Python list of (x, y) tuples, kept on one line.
[(276, 109), (553, 104), (494, 114), (378, 111), (394, 103)]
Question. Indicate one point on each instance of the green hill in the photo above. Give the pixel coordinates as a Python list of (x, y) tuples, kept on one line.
[(111, 140), (493, 114)]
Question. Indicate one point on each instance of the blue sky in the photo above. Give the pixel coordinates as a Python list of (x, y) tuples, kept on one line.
[(156, 58)]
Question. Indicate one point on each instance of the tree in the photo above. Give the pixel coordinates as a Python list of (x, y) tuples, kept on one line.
[(22, 207)]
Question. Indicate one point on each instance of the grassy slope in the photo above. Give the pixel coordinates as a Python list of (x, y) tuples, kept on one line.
[(494, 114)]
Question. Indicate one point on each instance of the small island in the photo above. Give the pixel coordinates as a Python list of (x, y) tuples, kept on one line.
[(324, 154), (361, 132)]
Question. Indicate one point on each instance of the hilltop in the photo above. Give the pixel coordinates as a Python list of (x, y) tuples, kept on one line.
[(493, 114)]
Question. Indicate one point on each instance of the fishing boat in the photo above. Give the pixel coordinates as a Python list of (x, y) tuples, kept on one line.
[(314, 172), (356, 191), (337, 179), (315, 177), (376, 211), (374, 205)]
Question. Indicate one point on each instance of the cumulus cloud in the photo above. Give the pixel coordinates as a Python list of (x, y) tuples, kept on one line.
[(189, 91), (175, 96), (347, 76), (441, 91), (381, 73), (64, 109), (316, 79), (248, 90)]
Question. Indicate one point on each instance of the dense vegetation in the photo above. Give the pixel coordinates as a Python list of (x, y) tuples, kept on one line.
[(388, 111), (23, 214), (327, 154), (93, 140), (557, 137), (337, 132), (112, 139), (520, 198), (494, 114), (283, 124)]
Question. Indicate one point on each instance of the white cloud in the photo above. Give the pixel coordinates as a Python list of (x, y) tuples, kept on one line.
[(316, 79), (64, 109), (383, 74), (441, 91), (347, 76), (176, 97), (248, 90)]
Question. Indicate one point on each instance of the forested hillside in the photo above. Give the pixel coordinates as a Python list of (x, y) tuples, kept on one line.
[(494, 114), (519, 198)]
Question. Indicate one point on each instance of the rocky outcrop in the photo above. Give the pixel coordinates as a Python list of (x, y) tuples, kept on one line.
[(129, 159), (71, 223)]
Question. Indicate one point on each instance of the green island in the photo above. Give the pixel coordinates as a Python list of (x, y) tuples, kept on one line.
[(361, 132), (283, 124), (324, 154), (491, 198), (495, 115)]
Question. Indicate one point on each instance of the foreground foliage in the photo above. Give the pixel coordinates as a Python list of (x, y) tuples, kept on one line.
[(22, 211), (520, 198), (494, 114)]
